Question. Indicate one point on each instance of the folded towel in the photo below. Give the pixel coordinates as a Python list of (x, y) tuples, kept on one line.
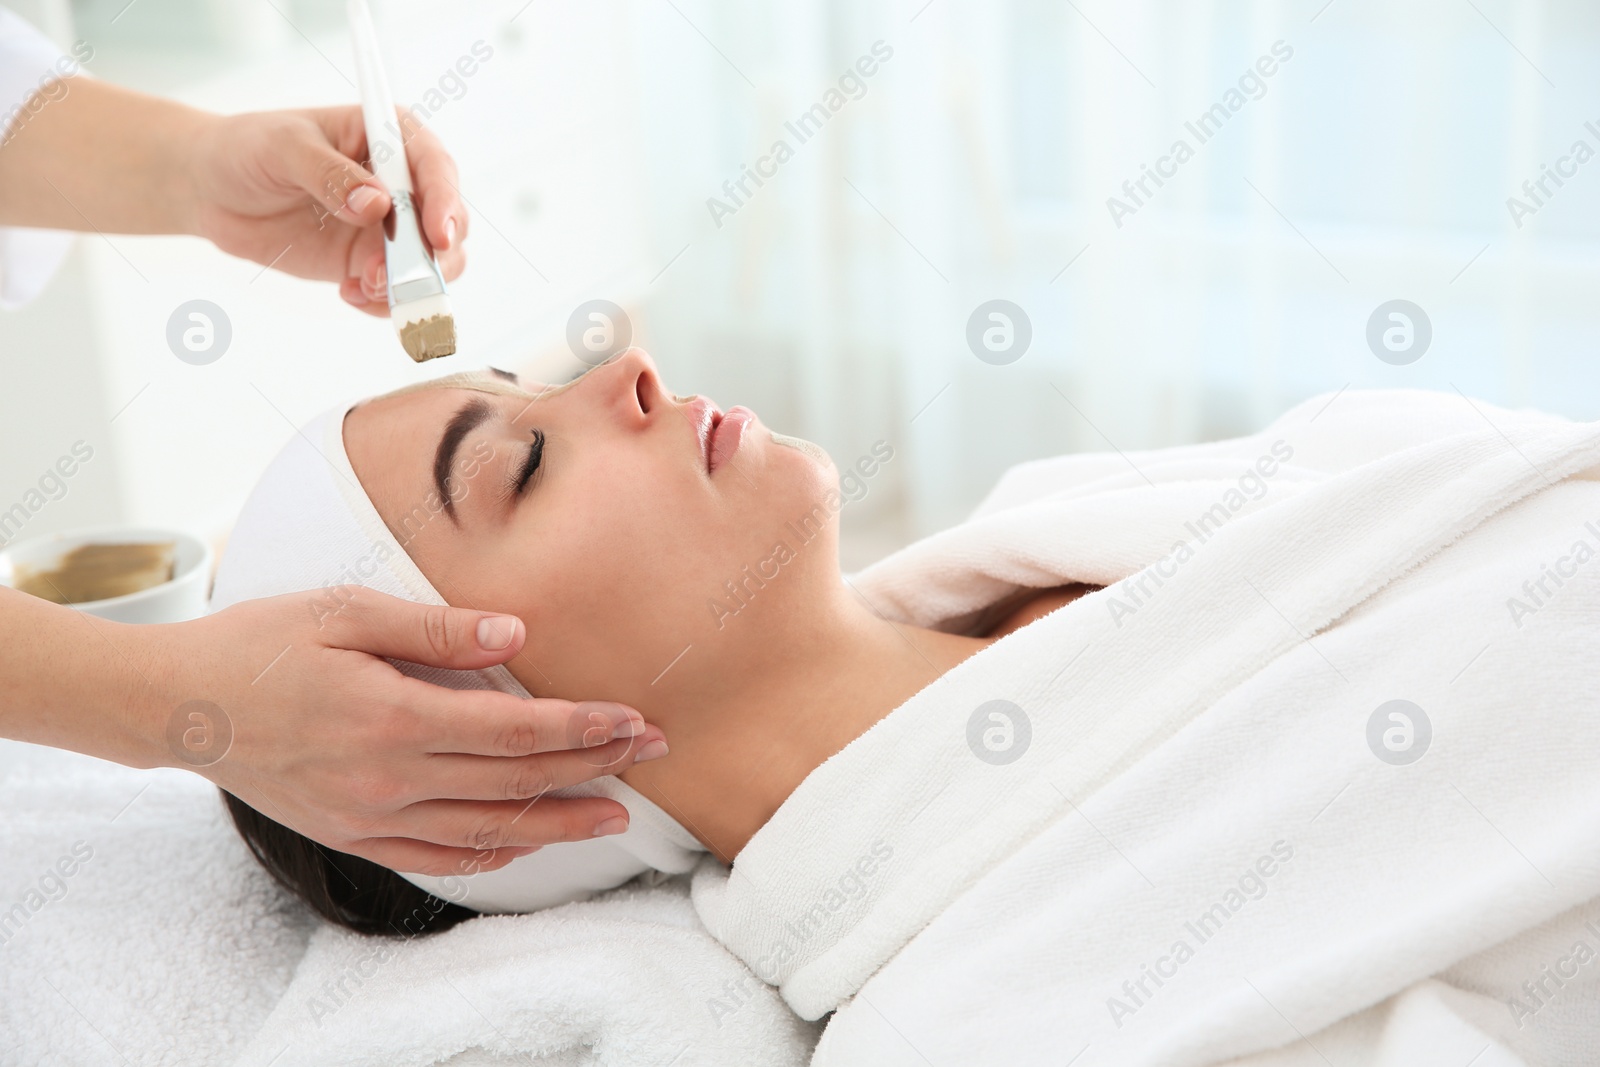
[(631, 978), (135, 928)]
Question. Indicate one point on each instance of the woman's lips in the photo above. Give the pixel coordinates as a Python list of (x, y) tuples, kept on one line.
[(703, 416), (727, 433), (720, 433)]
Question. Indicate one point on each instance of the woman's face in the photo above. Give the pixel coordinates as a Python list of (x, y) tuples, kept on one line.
[(652, 531)]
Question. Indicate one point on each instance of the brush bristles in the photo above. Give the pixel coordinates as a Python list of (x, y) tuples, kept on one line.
[(430, 338), (426, 327)]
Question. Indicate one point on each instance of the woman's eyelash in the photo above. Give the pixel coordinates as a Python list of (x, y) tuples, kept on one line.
[(529, 465)]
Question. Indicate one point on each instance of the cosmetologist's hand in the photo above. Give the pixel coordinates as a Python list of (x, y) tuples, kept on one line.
[(285, 188), (319, 733)]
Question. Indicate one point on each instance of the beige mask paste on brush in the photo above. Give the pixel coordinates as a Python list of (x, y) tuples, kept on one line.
[(429, 339)]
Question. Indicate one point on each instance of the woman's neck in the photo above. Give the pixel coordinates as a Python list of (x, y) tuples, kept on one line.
[(742, 742)]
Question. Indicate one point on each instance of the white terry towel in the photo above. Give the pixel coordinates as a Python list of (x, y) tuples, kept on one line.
[(1197, 750), (309, 525), (136, 929), (628, 979)]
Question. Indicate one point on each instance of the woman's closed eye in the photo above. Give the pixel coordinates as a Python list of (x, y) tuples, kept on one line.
[(523, 474)]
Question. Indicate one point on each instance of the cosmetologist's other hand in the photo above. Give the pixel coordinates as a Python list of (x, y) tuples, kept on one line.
[(301, 717)]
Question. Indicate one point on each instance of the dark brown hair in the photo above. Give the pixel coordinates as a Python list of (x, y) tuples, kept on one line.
[(347, 890)]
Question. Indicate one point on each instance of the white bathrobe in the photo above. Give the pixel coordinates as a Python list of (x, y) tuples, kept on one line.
[(1314, 779)]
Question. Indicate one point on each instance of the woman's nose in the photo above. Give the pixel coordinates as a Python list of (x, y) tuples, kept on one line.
[(634, 386)]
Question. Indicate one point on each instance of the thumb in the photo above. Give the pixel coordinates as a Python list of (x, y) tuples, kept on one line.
[(343, 187), (460, 639)]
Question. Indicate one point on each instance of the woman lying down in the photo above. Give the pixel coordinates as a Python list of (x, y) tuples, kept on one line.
[(1279, 748)]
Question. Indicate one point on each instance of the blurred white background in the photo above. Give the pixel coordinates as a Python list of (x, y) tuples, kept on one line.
[(1374, 163)]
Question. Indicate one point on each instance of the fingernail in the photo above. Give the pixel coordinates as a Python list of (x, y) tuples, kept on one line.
[(496, 632), (629, 727), (650, 750), (449, 233), (363, 196), (614, 825), (599, 733), (380, 278)]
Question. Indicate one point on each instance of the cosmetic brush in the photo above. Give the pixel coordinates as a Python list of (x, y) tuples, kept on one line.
[(419, 306)]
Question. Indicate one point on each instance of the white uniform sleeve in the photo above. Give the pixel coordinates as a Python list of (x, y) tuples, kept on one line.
[(30, 69)]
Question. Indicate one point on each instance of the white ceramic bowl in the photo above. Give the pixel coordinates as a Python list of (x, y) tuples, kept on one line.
[(178, 600)]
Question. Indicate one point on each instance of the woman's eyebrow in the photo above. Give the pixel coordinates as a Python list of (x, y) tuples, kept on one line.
[(472, 415)]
